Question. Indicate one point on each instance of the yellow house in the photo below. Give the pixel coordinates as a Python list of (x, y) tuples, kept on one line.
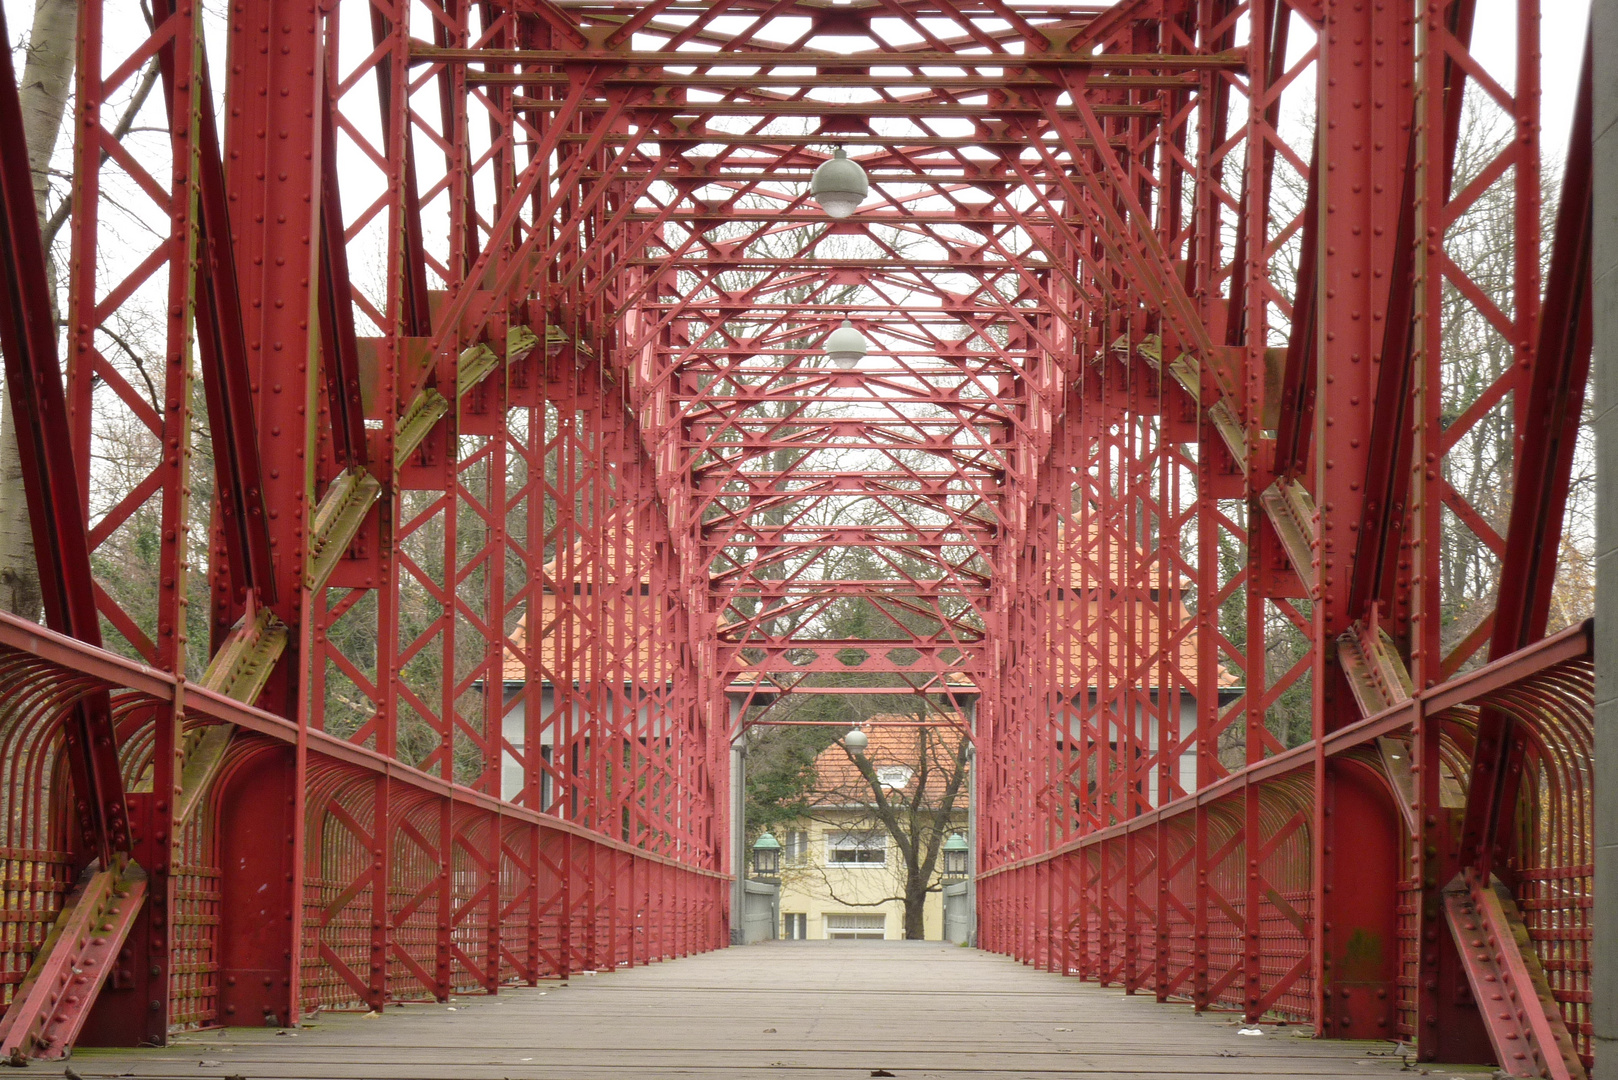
[(845, 868)]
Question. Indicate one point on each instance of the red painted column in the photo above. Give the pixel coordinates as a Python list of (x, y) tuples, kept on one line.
[(1364, 138), (261, 907), (272, 149)]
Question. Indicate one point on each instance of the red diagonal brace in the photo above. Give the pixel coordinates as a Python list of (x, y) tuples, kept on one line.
[(222, 349), (1555, 400), (54, 999), (1524, 1023), (56, 505), (339, 349)]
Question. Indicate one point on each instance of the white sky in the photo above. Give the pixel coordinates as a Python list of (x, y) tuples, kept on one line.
[(1563, 24)]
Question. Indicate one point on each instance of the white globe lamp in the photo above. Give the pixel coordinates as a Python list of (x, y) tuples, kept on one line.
[(846, 346), (839, 185)]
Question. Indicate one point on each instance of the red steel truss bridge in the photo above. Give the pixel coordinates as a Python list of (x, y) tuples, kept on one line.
[(438, 455)]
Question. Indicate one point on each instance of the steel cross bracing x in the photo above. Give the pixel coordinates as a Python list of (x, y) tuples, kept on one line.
[(1185, 424)]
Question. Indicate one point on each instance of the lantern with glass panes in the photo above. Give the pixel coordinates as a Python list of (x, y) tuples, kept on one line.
[(767, 857), (955, 851)]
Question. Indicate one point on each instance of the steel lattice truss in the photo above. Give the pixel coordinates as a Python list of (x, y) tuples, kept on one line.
[(494, 443)]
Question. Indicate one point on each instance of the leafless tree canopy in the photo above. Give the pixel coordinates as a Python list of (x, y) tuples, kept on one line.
[(908, 785)]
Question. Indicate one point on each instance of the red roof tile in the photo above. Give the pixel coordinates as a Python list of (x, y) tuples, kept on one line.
[(892, 747)]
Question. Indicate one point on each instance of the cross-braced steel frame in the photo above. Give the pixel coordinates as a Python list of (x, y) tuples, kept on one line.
[(485, 456)]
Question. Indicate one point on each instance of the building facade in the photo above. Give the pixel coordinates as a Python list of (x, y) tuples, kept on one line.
[(844, 867)]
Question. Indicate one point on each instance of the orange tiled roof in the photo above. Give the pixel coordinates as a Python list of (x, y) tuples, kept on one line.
[(567, 634), (1133, 604), (891, 746)]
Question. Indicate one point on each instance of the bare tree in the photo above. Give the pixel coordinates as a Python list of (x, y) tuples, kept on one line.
[(49, 54), (47, 77), (908, 785)]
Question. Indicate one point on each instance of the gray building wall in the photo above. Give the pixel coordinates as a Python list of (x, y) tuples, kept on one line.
[(1145, 722), (515, 729), (1605, 374)]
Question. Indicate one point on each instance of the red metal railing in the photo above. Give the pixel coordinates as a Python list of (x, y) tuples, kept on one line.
[(464, 894), (1157, 903)]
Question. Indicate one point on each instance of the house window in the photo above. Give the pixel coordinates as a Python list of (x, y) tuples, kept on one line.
[(796, 848), (795, 925), (857, 849), (850, 927), (893, 777)]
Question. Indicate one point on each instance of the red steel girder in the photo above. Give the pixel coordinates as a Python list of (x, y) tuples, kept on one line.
[(55, 499), (608, 472), (1556, 390), (53, 999), (1529, 1035)]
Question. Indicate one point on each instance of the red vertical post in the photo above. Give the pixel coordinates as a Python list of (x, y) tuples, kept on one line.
[(444, 890), (274, 103), (1131, 958), (381, 870), (534, 835), (565, 902), (263, 907), (1362, 151), (1162, 906)]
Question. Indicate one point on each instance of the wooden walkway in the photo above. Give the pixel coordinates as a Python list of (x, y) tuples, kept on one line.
[(785, 1011)]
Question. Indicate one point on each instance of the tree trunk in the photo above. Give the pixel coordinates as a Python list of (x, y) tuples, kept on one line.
[(915, 910), (47, 77)]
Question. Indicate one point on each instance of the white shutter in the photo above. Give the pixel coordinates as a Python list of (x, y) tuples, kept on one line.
[(851, 925)]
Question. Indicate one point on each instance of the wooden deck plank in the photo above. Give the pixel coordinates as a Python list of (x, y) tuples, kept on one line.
[(837, 1009)]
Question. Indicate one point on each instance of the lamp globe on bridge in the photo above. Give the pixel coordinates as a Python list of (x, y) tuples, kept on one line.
[(846, 346), (856, 740), (766, 856), (839, 185), (955, 851)]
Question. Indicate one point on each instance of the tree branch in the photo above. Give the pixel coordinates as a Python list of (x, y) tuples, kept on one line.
[(58, 217)]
